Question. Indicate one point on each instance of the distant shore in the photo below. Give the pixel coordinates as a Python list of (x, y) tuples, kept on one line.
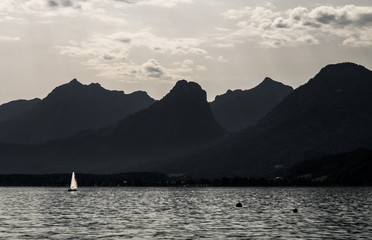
[(160, 179)]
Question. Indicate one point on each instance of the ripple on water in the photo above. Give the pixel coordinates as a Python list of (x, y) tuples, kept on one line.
[(185, 213)]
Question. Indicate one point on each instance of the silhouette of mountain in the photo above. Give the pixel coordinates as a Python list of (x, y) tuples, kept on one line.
[(71, 108), (145, 140), (236, 110), (330, 114), (17, 108), (183, 115)]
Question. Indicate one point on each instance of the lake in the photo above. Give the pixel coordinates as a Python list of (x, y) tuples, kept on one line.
[(185, 213)]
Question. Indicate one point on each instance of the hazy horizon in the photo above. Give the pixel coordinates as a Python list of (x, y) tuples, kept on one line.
[(148, 45)]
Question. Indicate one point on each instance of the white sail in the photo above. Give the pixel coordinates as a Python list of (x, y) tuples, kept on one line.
[(73, 184)]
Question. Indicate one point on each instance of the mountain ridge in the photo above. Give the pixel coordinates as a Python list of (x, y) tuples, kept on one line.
[(238, 109), (313, 121), (71, 108), (16, 108), (145, 140)]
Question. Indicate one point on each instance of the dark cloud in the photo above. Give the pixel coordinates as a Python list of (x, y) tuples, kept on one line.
[(311, 24), (154, 71), (365, 19), (347, 16), (297, 17), (107, 57), (310, 41), (66, 3), (52, 3), (326, 18), (343, 20), (127, 1), (125, 40), (60, 3), (307, 26), (280, 23)]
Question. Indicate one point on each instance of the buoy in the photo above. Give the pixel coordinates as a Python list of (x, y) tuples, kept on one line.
[(295, 210), (239, 204)]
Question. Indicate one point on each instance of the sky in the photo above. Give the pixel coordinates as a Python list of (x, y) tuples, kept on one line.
[(149, 45)]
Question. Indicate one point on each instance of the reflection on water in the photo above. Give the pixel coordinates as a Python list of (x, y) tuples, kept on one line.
[(186, 213)]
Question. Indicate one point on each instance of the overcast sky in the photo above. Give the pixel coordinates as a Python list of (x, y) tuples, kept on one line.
[(148, 45)]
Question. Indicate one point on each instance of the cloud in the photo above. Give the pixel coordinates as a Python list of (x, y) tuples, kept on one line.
[(280, 22), (62, 3), (158, 44), (201, 68), (155, 3), (127, 1), (222, 59), (9, 39), (153, 69), (299, 25), (117, 46), (47, 7), (162, 3), (115, 54), (111, 56), (80, 9), (234, 14), (52, 3), (363, 39)]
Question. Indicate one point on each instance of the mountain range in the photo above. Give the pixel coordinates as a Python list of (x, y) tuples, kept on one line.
[(67, 110), (179, 134), (330, 114), (145, 140)]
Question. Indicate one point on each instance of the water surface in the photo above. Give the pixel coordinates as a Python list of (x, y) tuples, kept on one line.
[(185, 213)]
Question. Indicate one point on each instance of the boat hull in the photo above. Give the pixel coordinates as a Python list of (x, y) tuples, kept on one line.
[(72, 190)]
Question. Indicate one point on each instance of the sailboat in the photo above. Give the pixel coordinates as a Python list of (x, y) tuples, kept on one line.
[(73, 185)]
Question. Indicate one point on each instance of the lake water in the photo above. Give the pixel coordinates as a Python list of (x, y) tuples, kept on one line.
[(185, 213)]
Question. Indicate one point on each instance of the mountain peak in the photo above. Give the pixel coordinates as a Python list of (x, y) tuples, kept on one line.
[(184, 90), (268, 80), (183, 115), (185, 86), (341, 70), (95, 85), (270, 83), (74, 82), (238, 109), (343, 67), (342, 76)]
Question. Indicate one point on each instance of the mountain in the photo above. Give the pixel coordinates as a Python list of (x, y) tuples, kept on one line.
[(145, 141), (330, 114), (236, 110), (71, 108), (351, 168), (183, 115), (17, 108)]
